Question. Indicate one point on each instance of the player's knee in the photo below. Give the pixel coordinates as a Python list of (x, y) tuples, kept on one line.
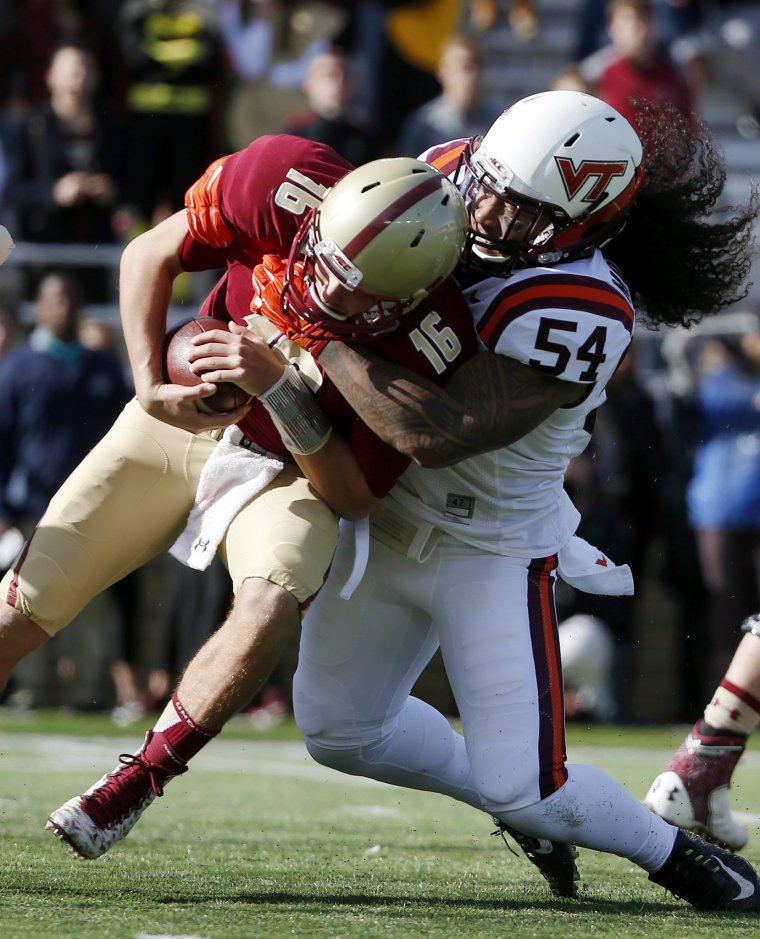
[(504, 785), (17, 607), (19, 636), (342, 759), (318, 718), (326, 717)]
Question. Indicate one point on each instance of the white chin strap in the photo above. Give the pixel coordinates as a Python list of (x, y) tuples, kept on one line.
[(492, 258), (323, 306)]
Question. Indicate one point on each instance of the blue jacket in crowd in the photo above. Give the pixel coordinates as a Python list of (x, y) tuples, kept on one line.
[(724, 491), (56, 401)]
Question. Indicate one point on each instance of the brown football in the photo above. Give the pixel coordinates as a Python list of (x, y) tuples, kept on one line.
[(177, 369)]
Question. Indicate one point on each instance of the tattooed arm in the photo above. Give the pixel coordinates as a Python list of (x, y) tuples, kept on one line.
[(490, 402)]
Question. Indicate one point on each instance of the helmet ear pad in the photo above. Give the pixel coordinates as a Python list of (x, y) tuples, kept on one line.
[(601, 225)]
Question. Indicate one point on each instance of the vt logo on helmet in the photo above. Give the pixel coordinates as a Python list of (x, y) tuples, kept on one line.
[(554, 177), (383, 238), (575, 180)]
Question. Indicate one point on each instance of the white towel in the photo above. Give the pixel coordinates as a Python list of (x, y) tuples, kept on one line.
[(586, 568), (361, 557), (231, 477)]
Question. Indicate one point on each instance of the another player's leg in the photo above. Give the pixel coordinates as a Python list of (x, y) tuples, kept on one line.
[(358, 662), (277, 551), (18, 637), (692, 791), (121, 506)]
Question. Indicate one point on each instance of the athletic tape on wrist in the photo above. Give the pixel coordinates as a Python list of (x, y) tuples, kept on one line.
[(302, 423), (752, 625)]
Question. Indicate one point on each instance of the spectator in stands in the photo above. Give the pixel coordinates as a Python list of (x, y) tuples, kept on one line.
[(331, 117), (460, 110), (43, 382), (571, 78), (402, 52), (270, 45), (637, 67), (481, 15), (95, 334), (10, 329), (68, 166), (11, 334), (724, 492), (30, 33), (590, 29), (174, 63), (678, 24), (734, 26), (402, 44)]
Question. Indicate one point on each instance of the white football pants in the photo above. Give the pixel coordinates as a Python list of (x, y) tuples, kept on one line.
[(495, 622)]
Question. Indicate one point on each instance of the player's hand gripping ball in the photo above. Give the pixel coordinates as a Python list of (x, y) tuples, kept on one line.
[(178, 345)]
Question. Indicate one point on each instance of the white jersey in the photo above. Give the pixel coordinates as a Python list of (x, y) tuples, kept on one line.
[(574, 321)]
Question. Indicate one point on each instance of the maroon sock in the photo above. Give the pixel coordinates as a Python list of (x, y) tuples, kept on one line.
[(716, 736), (170, 748)]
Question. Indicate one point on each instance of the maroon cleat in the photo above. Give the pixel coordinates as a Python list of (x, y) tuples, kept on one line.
[(692, 792), (92, 823)]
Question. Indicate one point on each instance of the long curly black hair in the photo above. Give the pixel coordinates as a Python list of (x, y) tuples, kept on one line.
[(682, 253)]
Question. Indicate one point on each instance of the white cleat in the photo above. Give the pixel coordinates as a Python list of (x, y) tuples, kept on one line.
[(84, 838), (92, 823), (692, 792)]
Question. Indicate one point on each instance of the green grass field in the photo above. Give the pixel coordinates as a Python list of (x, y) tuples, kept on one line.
[(258, 841)]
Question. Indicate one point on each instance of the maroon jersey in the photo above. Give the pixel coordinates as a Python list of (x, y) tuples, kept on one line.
[(251, 204)]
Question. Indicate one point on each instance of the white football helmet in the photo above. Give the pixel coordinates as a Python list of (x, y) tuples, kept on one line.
[(568, 168), (392, 231)]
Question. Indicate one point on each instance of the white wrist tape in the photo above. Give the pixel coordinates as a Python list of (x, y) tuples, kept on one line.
[(303, 425)]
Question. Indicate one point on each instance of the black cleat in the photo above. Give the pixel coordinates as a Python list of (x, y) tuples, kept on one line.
[(708, 877), (554, 859)]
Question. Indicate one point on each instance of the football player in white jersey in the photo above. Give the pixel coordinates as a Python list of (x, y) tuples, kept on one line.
[(464, 558)]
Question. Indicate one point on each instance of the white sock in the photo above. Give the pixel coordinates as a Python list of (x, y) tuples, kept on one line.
[(592, 810)]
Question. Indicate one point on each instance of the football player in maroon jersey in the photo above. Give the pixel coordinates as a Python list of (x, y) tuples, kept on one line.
[(374, 258)]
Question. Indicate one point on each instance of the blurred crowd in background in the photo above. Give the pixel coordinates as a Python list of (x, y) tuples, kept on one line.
[(109, 109)]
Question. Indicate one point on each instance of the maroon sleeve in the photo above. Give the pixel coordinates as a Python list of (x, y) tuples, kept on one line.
[(197, 257), (266, 189), (252, 202), (381, 464)]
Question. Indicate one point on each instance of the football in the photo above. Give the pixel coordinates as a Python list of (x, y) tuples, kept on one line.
[(177, 369)]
